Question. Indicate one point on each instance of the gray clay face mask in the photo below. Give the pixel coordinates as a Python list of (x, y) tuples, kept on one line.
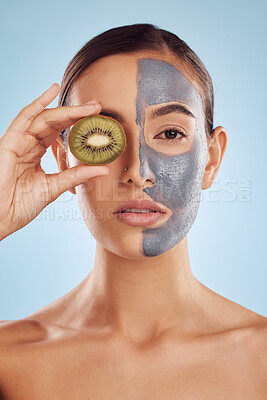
[(178, 178)]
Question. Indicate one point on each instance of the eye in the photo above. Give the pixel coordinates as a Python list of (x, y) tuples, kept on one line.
[(171, 135)]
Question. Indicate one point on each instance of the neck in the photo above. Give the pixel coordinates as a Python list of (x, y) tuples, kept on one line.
[(141, 298)]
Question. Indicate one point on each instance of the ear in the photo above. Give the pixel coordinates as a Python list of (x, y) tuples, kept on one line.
[(59, 152), (216, 149)]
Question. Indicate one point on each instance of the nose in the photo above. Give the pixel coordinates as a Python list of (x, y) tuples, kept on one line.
[(138, 170)]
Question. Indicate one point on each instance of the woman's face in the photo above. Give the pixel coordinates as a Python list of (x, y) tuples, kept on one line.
[(163, 166)]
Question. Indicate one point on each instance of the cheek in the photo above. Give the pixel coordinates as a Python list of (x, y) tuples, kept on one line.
[(92, 212), (97, 197), (178, 178), (94, 193)]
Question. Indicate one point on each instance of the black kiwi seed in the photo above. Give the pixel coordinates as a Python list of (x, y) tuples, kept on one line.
[(97, 140)]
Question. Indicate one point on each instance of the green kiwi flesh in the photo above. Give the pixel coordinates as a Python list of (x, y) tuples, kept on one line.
[(97, 140)]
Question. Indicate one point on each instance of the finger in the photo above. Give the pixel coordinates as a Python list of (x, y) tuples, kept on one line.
[(69, 178), (54, 120), (47, 141), (24, 118)]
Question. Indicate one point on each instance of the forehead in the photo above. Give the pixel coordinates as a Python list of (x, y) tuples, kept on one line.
[(148, 75), (161, 82)]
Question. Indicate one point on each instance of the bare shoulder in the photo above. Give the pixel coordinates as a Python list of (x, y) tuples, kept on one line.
[(16, 340), (42, 325), (257, 345), (13, 335), (249, 338), (254, 351), (38, 326), (248, 326), (243, 333), (18, 331), (254, 335)]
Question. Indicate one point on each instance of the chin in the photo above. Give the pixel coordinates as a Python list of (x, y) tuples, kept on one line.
[(127, 246)]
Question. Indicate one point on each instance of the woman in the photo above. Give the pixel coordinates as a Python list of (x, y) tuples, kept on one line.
[(140, 325)]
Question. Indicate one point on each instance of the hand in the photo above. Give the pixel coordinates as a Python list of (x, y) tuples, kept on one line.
[(25, 188)]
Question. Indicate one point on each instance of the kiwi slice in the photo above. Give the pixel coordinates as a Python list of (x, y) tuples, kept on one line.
[(97, 140)]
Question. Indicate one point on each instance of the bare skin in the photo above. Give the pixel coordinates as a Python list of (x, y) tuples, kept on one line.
[(136, 327)]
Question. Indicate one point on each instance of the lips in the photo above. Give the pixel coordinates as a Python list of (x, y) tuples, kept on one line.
[(139, 204)]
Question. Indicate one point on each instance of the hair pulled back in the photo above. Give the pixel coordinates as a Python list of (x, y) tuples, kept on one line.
[(133, 38)]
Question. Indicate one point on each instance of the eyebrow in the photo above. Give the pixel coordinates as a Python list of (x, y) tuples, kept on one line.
[(163, 110), (170, 108)]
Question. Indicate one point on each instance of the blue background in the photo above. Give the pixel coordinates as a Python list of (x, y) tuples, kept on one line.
[(227, 243)]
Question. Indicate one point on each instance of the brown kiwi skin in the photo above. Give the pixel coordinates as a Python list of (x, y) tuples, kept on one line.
[(105, 117)]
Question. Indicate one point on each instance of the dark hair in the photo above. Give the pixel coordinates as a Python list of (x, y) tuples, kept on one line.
[(132, 38)]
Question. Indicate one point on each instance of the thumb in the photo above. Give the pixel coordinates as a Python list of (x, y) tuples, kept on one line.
[(59, 182)]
